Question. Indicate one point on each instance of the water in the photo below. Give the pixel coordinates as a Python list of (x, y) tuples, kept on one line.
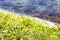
[(44, 9), (28, 6)]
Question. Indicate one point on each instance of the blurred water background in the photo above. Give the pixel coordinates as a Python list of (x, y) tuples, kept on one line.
[(45, 9)]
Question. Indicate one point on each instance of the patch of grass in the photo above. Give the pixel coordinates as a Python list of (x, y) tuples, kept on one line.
[(15, 27)]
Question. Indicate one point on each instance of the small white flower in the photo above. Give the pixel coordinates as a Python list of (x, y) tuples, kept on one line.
[(5, 30)]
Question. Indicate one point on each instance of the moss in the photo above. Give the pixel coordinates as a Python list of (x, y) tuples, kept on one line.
[(15, 27)]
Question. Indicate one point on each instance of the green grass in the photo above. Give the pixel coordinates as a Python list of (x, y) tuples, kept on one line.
[(15, 27)]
